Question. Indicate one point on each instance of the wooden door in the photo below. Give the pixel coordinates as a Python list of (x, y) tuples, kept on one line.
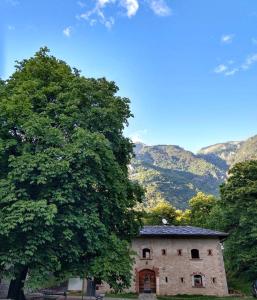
[(147, 281)]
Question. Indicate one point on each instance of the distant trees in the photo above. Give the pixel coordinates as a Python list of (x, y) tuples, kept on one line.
[(201, 211), (162, 210), (201, 207), (66, 203)]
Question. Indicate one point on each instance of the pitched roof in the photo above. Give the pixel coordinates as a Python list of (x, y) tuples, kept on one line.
[(180, 231)]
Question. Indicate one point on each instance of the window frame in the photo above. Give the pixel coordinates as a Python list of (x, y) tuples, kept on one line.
[(198, 285), (144, 253)]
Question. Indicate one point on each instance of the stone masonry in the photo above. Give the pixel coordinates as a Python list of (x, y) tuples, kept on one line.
[(172, 260)]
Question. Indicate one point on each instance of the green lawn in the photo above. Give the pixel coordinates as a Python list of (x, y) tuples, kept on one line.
[(203, 298), (122, 295)]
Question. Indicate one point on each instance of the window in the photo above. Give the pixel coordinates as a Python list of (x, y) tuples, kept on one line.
[(210, 252), (163, 251), (182, 279), (179, 251), (214, 280), (166, 279), (198, 281), (146, 253), (195, 253)]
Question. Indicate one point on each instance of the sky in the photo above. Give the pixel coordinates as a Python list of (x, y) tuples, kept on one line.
[(189, 67)]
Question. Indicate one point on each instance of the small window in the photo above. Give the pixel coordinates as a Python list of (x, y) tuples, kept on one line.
[(179, 251), (163, 251), (182, 279), (198, 281), (214, 280), (210, 252), (166, 279), (146, 253), (195, 253)]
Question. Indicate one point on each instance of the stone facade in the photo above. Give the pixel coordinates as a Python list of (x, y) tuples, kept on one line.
[(172, 260), (174, 268)]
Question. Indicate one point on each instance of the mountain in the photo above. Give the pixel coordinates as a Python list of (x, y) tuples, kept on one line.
[(175, 174), (247, 151), (221, 154)]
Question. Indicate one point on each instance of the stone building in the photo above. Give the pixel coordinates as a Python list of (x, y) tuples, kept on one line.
[(173, 260)]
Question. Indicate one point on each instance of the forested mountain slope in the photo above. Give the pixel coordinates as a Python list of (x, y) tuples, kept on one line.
[(175, 174)]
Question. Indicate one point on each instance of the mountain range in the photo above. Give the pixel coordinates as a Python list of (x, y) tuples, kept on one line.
[(175, 174)]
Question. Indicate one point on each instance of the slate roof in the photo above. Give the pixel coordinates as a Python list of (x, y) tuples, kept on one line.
[(180, 231)]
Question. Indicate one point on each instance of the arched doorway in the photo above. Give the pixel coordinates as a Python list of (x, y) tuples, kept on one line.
[(147, 281)]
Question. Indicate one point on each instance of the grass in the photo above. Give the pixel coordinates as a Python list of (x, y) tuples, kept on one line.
[(122, 295), (191, 297)]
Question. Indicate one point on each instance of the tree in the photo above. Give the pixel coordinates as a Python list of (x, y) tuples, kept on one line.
[(66, 203), (201, 207), (162, 210), (239, 218)]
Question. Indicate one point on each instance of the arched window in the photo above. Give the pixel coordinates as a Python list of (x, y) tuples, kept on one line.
[(195, 253), (198, 281), (146, 253)]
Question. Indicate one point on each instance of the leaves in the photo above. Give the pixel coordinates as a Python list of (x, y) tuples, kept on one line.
[(65, 196), (239, 218)]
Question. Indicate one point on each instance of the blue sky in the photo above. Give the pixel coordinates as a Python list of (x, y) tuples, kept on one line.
[(188, 66)]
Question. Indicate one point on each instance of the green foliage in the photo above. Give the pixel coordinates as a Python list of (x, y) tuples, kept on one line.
[(122, 295), (162, 210), (66, 203), (240, 284), (201, 206), (239, 217)]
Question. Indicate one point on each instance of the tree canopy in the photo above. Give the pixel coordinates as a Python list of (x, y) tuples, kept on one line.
[(238, 207), (201, 206), (66, 203)]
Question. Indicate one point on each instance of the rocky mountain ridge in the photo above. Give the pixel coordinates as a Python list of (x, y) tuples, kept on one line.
[(175, 174)]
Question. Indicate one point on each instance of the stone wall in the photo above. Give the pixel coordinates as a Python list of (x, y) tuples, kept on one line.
[(170, 267), (4, 285)]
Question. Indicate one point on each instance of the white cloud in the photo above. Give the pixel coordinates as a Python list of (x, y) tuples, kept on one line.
[(67, 31), (97, 14), (220, 69), (131, 6), (227, 38), (231, 72), (138, 136), (102, 3), (229, 69), (250, 60), (160, 7), (100, 12)]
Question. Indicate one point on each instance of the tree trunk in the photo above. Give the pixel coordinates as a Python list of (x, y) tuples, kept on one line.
[(16, 285)]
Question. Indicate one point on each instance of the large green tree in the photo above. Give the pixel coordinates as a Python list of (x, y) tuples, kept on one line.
[(238, 207), (66, 203)]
